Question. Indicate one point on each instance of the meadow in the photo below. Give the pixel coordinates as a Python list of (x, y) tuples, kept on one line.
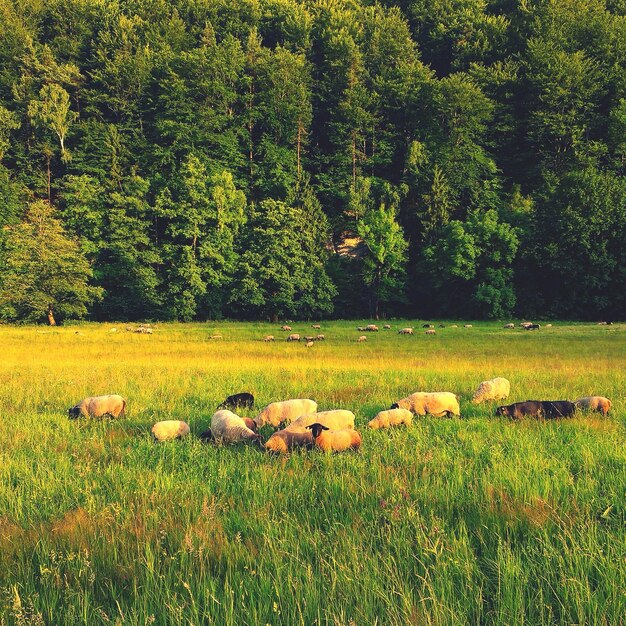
[(477, 520)]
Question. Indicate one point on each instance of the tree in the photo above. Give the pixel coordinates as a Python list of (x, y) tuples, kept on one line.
[(45, 273)]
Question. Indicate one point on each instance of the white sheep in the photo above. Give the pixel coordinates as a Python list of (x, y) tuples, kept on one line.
[(99, 406), (430, 331), (268, 338), (594, 403), (494, 389), (391, 417), (405, 331), (316, 326), (227, 427), (372, 328), (309, 344), (170, 429), (433, 403), (387, 326), (361, 339), (509, 325), (335, 440), (335, 419), (294, 337), (320, 338), (467, 326), (286, 411), (285, 327)]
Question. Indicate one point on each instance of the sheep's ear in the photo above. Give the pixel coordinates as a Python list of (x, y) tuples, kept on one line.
[(324, 427)]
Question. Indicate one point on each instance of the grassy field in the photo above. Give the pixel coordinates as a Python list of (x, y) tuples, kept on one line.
[(475, 520)]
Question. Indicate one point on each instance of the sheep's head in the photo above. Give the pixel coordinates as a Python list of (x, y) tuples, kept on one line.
[(395, 405), (502, 410), (206, 436), (316, 429), (251, 424), (73, 412)]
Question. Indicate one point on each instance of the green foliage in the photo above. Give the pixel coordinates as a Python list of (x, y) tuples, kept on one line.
[(45, 273)]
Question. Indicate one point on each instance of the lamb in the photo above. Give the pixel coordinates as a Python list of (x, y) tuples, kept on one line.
[(336, 419), (99, 406), (361, 339), (392, 417), (437, 403), (170, 429), (594, 403), (283, 441), (227, 427), (238, 400), (430, 331), (286, 411), (335, 440), (268, 338), (405, 331), (494, 389), (294, 337)]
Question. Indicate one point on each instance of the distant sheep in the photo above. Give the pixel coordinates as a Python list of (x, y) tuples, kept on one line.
[(391, 417), (405, 331), (335, 440), (524, 324), (276, 413), (430, 331), (467, 326), (435, 403), (594, 403), (548, 325), (227, 427), (361, 339), (387, 326), (428, 325), (216, 337), (309, 338), (532, 326), (268, 338), (494, 389), (335, 419), (316, 326), (294, 337), (509, 325), (99, 406), (243, 400), (372, 328), (283, 441), (285, 327), (320, 338), (309, 344), (170, 429), (360, 328)]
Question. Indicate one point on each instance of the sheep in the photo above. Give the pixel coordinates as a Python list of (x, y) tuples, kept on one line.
[(335, 419), (437, 403), (392, 417), (238, 400), (467, 325), (286, 411), (316, 326), (360, 328), (372, 328), (494, 389), (99, 406), (361, 339), (294, 337), (548, 325), (509, 325), (285, 327), (282, 441), (216, 337), (428, 325), (430, 331), (309, 344), (170, 429), (442, 325), (525, 324), (309, 338), (335, 440), (227, 427), (405, 331), (454, 326), (594, 403), (387, 327), (320, 338), (268, 338)]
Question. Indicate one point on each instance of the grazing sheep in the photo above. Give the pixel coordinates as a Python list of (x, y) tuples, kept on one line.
[(316, 326), (532, 326), (442, 325), (594, 403), (283, 441), (170, 429), (361, 339), (391, 417), (435, 403), (509, 325), (227, 427), (285, 327), (387, 326), (548, 325), (519, 410), (309, 344), (558, 408), (372, 328), (320, 338), (430, 331), (294, 337), (286, 411), (99, 406), (360, 328), (335, 419), (428, 325), (494, 389), (243, 400), (268, 338), (525, 324), (335, 440), (309, 338), (405, 331), (467, 326), (454, 326)]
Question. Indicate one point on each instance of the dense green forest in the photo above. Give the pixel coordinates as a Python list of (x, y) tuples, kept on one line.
[(193, 159)]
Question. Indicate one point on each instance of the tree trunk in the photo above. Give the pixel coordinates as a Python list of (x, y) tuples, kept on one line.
[(51, 319), (49, 158)]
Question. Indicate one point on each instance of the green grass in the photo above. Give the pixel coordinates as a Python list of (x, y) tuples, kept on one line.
[(475, 520)]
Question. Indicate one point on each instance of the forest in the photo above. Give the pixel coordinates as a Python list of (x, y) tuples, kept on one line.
[(272, 159)]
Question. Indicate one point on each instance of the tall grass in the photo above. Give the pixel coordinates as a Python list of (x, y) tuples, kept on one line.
[(475, 520)]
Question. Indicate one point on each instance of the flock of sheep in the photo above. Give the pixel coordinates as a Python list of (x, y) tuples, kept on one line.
[(298, 424)]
